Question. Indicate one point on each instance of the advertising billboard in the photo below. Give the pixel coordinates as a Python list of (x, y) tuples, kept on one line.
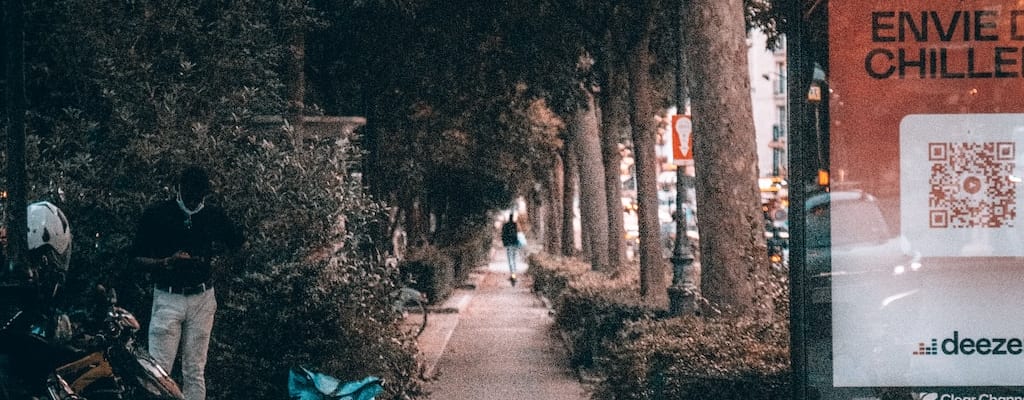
[(919, 249)]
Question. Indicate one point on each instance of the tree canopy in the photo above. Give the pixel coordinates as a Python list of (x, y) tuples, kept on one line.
[(466, 106)]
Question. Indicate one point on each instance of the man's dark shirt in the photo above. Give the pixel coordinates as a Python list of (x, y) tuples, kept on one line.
[(163, 231)]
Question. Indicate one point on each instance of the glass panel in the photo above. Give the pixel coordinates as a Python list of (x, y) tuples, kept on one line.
[(916, 251)]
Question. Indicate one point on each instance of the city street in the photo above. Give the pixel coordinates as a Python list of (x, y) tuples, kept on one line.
[(492, 340)]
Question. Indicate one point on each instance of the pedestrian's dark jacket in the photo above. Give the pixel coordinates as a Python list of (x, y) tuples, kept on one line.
[(164, 230), (509, 234)]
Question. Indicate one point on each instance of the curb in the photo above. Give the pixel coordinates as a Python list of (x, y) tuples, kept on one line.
[(460, 297), (454, 304), (585, 376)]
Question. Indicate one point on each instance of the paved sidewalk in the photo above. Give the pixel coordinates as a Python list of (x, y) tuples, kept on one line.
[(496, 342)]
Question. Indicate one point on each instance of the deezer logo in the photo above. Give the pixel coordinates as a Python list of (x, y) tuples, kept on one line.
[(956, 345)]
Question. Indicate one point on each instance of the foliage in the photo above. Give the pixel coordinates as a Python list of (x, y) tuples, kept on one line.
[(332, 314), (592, 318), (552, 275), (590, 307), (772, 18), (766, 16), (687, 358), (456, 127), (431, 269), (436, 269), (122, 95), (642, 354), (468, 245)]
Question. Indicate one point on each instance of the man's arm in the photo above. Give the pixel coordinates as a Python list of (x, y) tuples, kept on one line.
[(165, 263), (143, 245), (152, 263)]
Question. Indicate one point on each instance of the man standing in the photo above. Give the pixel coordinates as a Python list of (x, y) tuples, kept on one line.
[(174, 243)]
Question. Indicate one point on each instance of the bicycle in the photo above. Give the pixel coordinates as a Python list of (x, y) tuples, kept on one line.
[(405, 301)]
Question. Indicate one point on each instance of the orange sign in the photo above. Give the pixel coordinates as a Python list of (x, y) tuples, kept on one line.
[(682, 139)]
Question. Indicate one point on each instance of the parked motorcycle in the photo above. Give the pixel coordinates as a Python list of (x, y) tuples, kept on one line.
[(111, 366)]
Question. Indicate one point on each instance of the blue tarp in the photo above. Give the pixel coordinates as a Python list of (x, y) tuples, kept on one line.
[(304, 384)]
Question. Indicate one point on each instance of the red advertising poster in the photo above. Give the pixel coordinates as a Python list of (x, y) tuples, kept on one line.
[(924, 266)]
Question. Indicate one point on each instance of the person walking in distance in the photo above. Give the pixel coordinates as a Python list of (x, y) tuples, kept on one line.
[(510, 239), (174, 243)]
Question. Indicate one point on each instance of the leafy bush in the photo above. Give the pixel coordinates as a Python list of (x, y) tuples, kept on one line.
[(590, 307), (432, 270), (468, 247), (330, 314), (122, 98), (687, 358), (438, 268), (592, 318), (641, 354), (552, 275)]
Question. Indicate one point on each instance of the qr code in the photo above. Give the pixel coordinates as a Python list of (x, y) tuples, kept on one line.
[(972, 185)]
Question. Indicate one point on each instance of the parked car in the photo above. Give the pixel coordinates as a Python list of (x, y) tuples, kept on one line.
[(865, 289), (850, 247)]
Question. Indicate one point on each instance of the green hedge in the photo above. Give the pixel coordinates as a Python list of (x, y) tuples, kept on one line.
[(640, 353), (590, 307), (329, 315), (469, 253), (431, 270), (593, 318), (467, 243), (551, 275), (438, 268), (687, 358)]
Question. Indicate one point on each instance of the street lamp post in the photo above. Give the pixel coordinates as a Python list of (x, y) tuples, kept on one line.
[(682, 294)]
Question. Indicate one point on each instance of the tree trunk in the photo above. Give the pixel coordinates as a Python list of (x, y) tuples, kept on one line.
[(593, 204), (416, 223), (534, 202), (568, 194), (614, 127), (653, 284), (553, 216), (733, 254)]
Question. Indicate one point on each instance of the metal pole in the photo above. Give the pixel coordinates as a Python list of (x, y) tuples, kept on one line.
[(682, 293), (803, 169)]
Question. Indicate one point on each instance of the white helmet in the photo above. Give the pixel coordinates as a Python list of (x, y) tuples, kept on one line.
[(49, 233)]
